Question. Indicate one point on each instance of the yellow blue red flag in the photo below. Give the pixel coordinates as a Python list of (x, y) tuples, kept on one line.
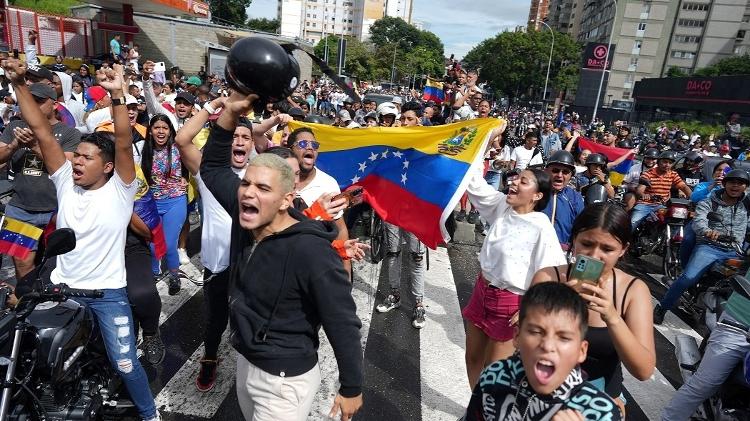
[(413, 176), (433, 91), (618, 172), (17, 238)]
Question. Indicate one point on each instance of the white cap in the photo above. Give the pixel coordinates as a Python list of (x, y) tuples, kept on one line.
[(396, 100), (130, 100)]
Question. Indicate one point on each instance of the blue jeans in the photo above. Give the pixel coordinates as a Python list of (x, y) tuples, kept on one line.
[(115, 320), (173, 212), (704, 255), (640, 212), (493, 179), (727, 346), (688, 243)]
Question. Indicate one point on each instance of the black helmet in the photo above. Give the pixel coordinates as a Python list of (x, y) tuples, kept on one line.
[(740, 175), (694, 157), (260, 66), (317, 119), (596, 159), (668, 155), (596, 193), (562, 158), (651, 153), (625, 144)]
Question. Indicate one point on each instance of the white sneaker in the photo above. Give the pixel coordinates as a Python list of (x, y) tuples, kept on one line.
[(184, 259)]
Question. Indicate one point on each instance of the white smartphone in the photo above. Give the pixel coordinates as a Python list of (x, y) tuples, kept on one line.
[(160, 67)]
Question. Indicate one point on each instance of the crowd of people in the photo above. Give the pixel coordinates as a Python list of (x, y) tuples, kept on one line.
[(117, 153)]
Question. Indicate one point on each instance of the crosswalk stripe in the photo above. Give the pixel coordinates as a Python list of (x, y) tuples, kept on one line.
[(171, 303), (366, 277), (651, 395), (673, 325), (445, 387)]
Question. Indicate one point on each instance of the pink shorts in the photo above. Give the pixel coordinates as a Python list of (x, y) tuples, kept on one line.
[(490, 309)]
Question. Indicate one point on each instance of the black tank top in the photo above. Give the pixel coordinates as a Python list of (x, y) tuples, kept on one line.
[(602, 360)]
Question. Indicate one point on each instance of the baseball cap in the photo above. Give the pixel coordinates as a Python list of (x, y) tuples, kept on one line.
[(96, 93), (185, 96), (194, 80), (130, 100), (39, 72), (396, 100), (344, 115), (44, 91)]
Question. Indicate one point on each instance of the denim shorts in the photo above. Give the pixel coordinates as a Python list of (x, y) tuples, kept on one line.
[(491, 309)]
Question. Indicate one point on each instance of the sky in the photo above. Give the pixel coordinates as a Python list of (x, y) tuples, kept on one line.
[(460, 24)]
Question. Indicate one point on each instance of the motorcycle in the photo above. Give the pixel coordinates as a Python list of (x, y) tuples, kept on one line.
[(57, 368), (730, 402), (677, 215), (648, 238)]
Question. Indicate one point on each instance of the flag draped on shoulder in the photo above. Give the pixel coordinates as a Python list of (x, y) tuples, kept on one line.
[(617, 173), (433, 91), (413, 176)]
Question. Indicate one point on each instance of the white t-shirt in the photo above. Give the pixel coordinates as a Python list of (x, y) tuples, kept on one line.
[(99, 219), (525, 157), (320, 184), (216, 233), (516, 246)]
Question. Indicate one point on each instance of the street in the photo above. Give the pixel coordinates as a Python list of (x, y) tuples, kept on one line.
[(409, 374)]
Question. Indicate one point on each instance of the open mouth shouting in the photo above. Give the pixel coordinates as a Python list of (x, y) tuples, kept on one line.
[(239, 155), (543, 371), (249, 213), (77, 173), (308, 159)]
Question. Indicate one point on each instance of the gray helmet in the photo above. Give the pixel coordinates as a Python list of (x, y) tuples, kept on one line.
[(596, 159), (694, 157), (670, 155), (651, 153), (740, 175), (562, 158), (596, 193)]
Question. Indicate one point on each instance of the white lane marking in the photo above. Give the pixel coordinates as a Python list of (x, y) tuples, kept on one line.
[(171, 303), (365, 284), (651, 395), (673, 325), (445, 387), (180, 395)]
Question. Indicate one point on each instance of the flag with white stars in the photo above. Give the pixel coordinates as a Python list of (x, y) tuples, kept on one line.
[(413, 176), (17, 238)]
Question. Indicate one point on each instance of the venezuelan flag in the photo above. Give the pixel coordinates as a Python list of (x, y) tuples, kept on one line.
[(18, 238), (433, 91), (145, 207), (413, 176), (617, 173)]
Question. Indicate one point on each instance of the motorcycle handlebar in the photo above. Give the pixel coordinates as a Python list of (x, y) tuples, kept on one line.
[(64, 290)]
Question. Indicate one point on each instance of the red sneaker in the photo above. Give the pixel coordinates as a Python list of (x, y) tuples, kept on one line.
[(207, 375)]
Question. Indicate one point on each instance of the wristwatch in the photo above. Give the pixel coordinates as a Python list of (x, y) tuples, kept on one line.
[(118, 101)]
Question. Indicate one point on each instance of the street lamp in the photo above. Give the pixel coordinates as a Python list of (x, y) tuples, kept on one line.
[(549, 63), (393, 66), (606, 59)]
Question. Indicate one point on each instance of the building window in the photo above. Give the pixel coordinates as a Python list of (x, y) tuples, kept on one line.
[(695, 6), (637, 47), (691, 23), (314, 25), (683, 54), (642, 26), (626, 95), (646, 8), (687, 39), (746, 18), (741, 34)]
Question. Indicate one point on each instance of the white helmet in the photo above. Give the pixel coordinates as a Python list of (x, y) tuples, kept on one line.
[(386, 108)]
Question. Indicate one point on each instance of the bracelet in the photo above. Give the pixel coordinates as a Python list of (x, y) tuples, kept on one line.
[(211, 110)]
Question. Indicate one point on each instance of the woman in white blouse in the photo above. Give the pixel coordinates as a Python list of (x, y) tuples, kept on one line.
[(519, 242)]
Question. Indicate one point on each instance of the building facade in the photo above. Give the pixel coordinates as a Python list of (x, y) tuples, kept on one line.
[(653, 36), (538, 13), (312, 20), (565, 16)]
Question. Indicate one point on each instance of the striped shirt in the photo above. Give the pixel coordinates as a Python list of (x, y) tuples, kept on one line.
[(661, 185)]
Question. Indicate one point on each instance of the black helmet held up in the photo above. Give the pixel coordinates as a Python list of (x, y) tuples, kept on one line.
[(562, 158), (668, 155), (596, 193), (625, 144), (317, 119), (694, 157), (260, 66), (651, 153), (596, 159), (739, 175)]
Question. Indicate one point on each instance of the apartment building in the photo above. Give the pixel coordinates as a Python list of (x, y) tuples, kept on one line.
[(538, 13), (565, 16), (654, 35), (311, 20)]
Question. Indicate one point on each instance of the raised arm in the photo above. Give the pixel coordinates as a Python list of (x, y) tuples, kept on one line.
[(189, 153), (113, 80), (153, 107), (260, 129), (52, 152)]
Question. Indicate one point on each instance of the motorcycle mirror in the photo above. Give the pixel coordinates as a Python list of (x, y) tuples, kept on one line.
[(60, 242), (715, 217)]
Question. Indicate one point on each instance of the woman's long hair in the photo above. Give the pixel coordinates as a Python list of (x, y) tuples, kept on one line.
[(147, 157)]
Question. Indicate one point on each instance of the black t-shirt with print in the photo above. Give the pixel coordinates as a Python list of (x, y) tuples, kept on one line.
[(34, 190)]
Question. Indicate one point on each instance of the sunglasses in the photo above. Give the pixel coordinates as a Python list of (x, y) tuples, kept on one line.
[(563, 171), (304, 144)]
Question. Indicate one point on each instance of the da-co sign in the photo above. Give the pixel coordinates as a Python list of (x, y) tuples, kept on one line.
[(700, 87), (597, 56)]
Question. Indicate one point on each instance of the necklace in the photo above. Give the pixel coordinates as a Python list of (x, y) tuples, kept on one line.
[(528, 403)]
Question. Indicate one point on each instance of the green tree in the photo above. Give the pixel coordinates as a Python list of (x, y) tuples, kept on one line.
[(515, 63), (736, 65), (358, 56), (263, 24), (675, 71), (417, 52), (229, 11)]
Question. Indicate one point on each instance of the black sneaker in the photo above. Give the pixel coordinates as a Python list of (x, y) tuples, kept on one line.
[(392, 301), (207, 375), (153, 349), (418, 316), (659, 314), (461, 216), (175, 283), (473, 217)]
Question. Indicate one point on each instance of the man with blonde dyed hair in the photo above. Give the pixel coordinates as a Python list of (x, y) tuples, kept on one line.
[(286, 282)]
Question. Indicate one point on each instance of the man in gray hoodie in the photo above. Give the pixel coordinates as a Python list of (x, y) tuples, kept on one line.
[(714, 239)]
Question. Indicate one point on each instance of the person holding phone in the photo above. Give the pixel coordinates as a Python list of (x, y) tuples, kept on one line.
[(620, 327)]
